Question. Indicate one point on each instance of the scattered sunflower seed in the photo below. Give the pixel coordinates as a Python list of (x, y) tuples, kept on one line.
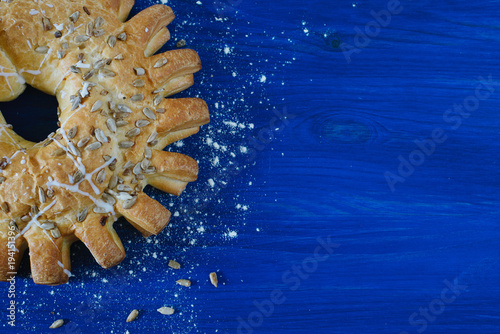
[(160, 63), (88, 75), (111, 124), (137, 97), (42, 49), (55, 233), (82, 142), (94, 146), (181, 43), (57, 323), (149, 113), (78, 176), (96, 106), (5, 207), (140, 123), (137, 169), (126, 144), (148, 153), (166, 310), (112, 41), (122, 36), (74, 17), (46, 24), (132, 315), (113, 182), (99, 32), (41, 195), (121, 123), (107, 73), (75, 69), (47, 226), (139, 71), (152, 137), (123, 187), (119, 57), (213, 279), (124, 108), (138, 83), (174, 264), (134, 132), (72, 132), (99, 21), (145, 163), (183, 282), (60, 54), (129, 203), (82, 215), (57, 152), (160, 110), (101, 176), (2, 179), (99, 134), (81, 38), (157, 100), (98, 209)]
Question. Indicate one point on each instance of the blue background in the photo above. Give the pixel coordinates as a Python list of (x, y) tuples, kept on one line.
[(280, 187)]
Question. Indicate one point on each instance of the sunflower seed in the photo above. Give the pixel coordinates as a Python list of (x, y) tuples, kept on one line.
[(166, 310), (123, 187), (101, 176), (75, 101), (50, 193), (104, 92), (121, 123), (82, 142), (139, 71), (57, 152), (128, 164), (157, 100), (149, 113), (137, 97), (137, 169), (134, 132), (174, 264), (99, 134), (160, 63), (140, 123), (5, 207), (75, 69), (112, 41), (107, 73), (99, 32), (78, 176), (90, 29), (119, 57), (42, 49), (73, 149), (181, 43), (100, 63), (57, 323), (96, 106), (160, 110), (183, 282), (213, 279), (145, 163), (55, 233), (2, 179), (98, 209), (46, 24), (132, 315), (99, 21), (60, 54), (122, 36), (126, 144), (34, 210), (152, 137), (47, 226), (94, 146), (129, 203), (88, 75), (41, 195), (150, 170), (74, 17), (72, 132), (159, 90), (111, 124), (138, 83), (71, 28), (82, 215), (81, 38), (147, 153), (124, 108), (26, 218), (113, 182)]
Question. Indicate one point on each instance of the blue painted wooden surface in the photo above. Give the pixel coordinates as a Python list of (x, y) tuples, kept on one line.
[(420, 257)]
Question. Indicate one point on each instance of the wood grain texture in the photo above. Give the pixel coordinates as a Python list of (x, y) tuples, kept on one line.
[(423, 258)]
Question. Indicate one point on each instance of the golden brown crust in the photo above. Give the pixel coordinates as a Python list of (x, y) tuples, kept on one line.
[(114, 123)]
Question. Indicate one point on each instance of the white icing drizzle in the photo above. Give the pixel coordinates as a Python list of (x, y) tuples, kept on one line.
[(35, 219), (3, 130), (66, 271)]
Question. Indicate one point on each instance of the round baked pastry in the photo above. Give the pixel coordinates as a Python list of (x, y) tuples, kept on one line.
[(114, 123)]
